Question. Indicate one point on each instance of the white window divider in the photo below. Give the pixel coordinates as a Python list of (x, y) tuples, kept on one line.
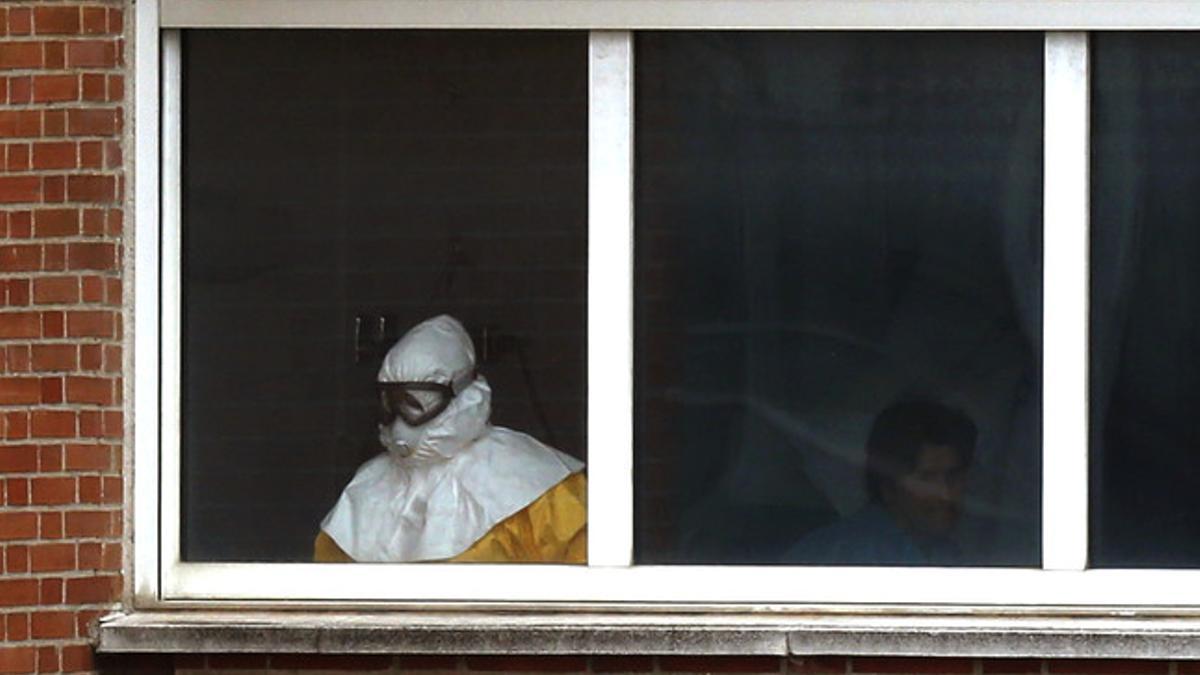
[(1065, 302), (610, 298)]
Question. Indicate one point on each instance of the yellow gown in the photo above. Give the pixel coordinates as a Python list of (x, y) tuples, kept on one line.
[(551, 529)]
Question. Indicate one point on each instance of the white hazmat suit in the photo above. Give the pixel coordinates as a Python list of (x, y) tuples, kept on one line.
[(455, 488)]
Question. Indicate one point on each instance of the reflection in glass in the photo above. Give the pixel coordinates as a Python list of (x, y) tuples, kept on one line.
[(838, 298), (339, 188), (1145, 302)]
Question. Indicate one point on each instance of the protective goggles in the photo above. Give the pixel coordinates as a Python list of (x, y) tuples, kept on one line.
[(415, 402)]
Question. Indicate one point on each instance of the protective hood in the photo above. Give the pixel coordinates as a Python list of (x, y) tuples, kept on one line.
[(442, 486)]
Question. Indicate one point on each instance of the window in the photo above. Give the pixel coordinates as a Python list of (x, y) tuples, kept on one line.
[(749, 193)]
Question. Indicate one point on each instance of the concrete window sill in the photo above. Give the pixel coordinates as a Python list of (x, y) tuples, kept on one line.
[(313, 632)]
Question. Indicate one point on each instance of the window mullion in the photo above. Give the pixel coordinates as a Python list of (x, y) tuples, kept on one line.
[(1065, 304), (610, 299)]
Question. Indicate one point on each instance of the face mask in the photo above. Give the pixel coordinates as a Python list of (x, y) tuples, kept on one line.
[(404, 442)]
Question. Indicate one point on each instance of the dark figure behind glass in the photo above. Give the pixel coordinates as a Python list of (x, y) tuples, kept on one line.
[(917, 457)]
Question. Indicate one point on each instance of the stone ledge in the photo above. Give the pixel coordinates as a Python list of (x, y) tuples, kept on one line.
[(401, 632)]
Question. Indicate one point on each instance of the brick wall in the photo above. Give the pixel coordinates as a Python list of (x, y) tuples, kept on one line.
[(62, 101)]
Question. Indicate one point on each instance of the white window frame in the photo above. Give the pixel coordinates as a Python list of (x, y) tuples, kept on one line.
[(162, 580)]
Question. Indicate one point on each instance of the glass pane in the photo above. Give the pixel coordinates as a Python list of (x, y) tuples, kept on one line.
[(838, 298), (339, 189), (1145, 305)]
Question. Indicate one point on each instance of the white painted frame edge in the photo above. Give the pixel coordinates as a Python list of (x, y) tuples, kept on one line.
[(203, 582), (685, 14), (145, 308)]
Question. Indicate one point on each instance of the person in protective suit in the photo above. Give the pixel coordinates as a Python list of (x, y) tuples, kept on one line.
[(449, 485)]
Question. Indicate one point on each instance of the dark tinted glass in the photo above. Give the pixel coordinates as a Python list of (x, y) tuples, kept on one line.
[(1145, 267), (831, 226), (340, 187)]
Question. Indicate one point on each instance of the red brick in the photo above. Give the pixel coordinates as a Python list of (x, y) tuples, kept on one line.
[(52, 390), (20, 123), (911, 665), (330, 662), (52, 490), (51, 357), (52, 324), (21, 258), (90, 324), (91, 54), (55, 290), (89, 556), (51, 625), (116, 89), (20, 89), (114, 423), (52, 557), (17, 659), (16, 189), (92, 590), (76, 658), (15, 592), (19, 390), (93, 122), (18, 157), (54, 122), (1107, 667), (16, 559), (54, 189), (91, 188), (91, 156), (56, 20), (20, 324), (116, 20), (112, 156), (18, 459), (530, 664), (92, 256), (90, 492), (50, 525), (238, 661), (92, 289), (17, 356), (47, 660), (115, 220), (17, 492), (88, 524), (94, 390), (112, 291), (17, 626), (92, 87), (56, 222), (113, 489), (54, 155), (91, 357), (50, 458), (612, 664), (50, 592), (18, 292), (20, 55), (20, 224), (86, 620), (52, 423), (20, 21), (95, 20), (111, 559), (55, 55), (16, 424), (55, 88), (719, 664)]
